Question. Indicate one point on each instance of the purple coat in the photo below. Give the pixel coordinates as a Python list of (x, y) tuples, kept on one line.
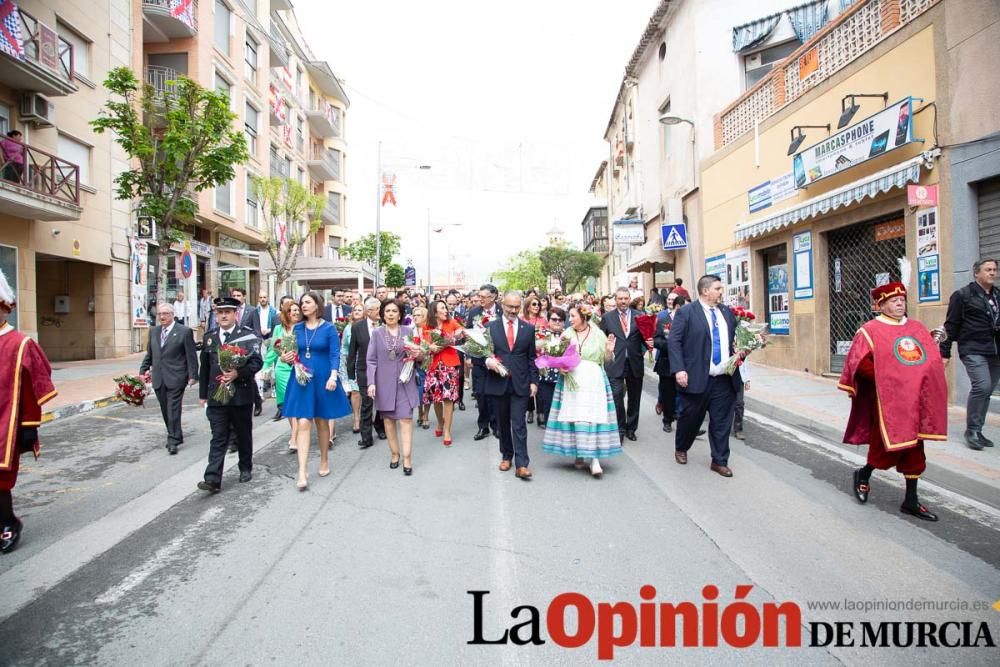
[(391, 396)]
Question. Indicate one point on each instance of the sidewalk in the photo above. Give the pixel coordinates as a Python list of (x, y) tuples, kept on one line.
[(85, 385), (814, 404)]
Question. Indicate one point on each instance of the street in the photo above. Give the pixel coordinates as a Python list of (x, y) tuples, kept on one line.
[(123, 561)]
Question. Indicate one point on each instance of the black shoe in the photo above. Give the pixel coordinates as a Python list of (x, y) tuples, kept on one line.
[(700, 433), (394, 464), (972, 440), (233, 449), (245, 476), (365, 445), (209, 486), (407, 471), (984, 441), (257, 409), (542, 424), (918, 511), (530, 418), (739, 435), (861, 487), (171, 449), (10, 535), (355, 430), (496, 434), (461, 406), (631, 436), (668, 428), (382, 436), (277, 416), (481, 434)]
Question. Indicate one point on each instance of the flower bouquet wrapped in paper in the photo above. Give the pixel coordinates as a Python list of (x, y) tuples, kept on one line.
[(341, 324), (747, 338), (287, 343), (416, 350), (560, 354), (302, 374), (479, 345), (231, 358), (131, 389)]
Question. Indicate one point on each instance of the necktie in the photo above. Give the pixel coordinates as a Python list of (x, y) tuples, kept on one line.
[(163, 336), (510, 335), (716, 342), (225, 337), (623, 315)]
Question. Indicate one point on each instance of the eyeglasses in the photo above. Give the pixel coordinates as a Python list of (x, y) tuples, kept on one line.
[(555, 318)]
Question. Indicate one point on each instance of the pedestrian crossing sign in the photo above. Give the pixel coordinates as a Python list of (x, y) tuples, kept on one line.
[(674, 236)]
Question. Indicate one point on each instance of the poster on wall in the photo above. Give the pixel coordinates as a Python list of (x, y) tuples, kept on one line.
[(802, 254), (927, 240), (138, 283), (734, 270), (876, 135), (777, 299), (929, 278)]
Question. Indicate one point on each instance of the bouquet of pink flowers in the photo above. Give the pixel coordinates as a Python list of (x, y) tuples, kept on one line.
[(231, 358), (747, 338), (562, 355)]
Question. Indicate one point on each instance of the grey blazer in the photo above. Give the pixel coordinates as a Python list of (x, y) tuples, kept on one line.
[(176, 362)]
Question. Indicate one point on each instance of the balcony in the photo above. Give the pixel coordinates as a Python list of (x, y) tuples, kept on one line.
[(324, 164), (164, 20), (279, 47), (279, 168), (42, 187), (162, 79), (324, 119), (859, 29), (44, 61), (597, 245), (331, 212)]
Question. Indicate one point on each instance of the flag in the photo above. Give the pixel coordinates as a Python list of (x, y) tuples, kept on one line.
[(183, 10), (10, 30), (388, 183)]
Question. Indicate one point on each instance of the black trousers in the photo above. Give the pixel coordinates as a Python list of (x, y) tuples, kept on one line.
[(226, 419), (461, 377), (170, 407), (628, 418), (719, 402), (369, 417), (510, 411), (667, 393), (487, 412), (738, 412), (543, 400)]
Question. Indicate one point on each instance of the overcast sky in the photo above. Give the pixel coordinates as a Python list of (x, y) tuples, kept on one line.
[(507, 102)]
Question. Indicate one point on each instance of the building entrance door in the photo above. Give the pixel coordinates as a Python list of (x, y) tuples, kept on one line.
[(861, 257)]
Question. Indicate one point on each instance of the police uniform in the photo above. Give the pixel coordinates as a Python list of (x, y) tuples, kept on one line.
[(236, 415)]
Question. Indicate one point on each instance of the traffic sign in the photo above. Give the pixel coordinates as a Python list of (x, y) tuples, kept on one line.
[(187, 264), (674, 236)]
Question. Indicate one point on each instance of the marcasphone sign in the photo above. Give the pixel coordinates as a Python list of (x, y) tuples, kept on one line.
[(876, 135)]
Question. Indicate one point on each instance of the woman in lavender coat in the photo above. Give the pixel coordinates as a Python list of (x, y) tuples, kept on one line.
[(394, 400)]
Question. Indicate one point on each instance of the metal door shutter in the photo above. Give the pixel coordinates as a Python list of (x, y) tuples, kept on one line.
[(989, 217)]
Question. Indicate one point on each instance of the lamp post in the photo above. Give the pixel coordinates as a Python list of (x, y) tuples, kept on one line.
[(668, 120), (378, 212), (436, 230)]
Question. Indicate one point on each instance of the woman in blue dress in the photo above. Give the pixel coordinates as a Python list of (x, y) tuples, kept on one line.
[(322, 397)]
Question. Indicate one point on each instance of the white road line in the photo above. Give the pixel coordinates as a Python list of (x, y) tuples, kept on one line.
[(503, 562)]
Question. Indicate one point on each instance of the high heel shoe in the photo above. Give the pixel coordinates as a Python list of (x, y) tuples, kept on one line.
[(302, 484), (447, 442), (324, 474), (438, 433), (394, 464), (407, 471)]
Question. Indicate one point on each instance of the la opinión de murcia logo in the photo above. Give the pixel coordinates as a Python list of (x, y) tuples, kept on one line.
[(707, 624)]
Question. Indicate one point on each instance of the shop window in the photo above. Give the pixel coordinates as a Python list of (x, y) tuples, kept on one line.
[(776, 301)]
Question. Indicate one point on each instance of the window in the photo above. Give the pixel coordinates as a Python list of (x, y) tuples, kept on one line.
[(80, 52), (250, 59), (300, 137), (252, 207), (224, 197), (78, 153), (299, 88), (5, 125), (287, 171), (250, 120), (223, 86), (223, 17), (756, 65), (662, 53)]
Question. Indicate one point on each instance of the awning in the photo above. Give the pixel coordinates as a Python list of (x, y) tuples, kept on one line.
[(647, 257), (753, 33), (895, 176), (807, 19)]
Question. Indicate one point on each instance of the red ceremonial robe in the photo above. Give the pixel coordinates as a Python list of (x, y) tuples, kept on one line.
[(908, 401), (25, 385)]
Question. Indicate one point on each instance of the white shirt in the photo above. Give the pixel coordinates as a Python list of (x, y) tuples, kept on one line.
[(371, 326), (263, 312), (181, 310), (720, 368), (165, 331), (226, 333)]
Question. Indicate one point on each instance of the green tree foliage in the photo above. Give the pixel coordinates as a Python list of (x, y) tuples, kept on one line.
[(568, 266), (363, 250), (179, 141), (394, 276), (291, 215), (522, 271)]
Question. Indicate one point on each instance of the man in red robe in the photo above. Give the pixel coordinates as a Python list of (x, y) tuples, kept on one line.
[(899, 396), (25, 385)]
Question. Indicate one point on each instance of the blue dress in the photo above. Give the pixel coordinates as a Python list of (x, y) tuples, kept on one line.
[(313, 401)]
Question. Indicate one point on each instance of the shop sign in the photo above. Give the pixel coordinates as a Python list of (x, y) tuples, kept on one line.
[(922, 195), (410, 276), (771, 192), (893, 229), (629, 232), (200, 248), (231, 243), (808, 62), (876, 135)]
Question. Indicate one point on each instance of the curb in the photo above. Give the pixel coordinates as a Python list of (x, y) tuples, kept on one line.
[(78, 408)]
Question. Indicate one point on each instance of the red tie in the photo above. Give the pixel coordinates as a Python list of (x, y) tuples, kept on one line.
[(510, 335), (624, 318)]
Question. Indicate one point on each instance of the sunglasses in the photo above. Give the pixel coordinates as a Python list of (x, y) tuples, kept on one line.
[(555, 318)]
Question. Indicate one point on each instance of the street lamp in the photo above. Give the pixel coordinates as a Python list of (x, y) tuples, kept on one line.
[(378, 212), (436, 230), (666, 119)]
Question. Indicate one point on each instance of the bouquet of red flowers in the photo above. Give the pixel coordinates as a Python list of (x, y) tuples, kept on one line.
[(131, 389), (558, 353), (647, 327), (231, 358), (747, 338), (341, 324), (416, 350)]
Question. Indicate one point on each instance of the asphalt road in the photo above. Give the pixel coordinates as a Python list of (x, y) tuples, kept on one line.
[(124, 562)]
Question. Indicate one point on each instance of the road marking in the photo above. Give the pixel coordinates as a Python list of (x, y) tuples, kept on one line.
[(503, 563), (122, 419)]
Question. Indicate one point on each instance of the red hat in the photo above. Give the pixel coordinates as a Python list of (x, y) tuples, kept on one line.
[(889, 290)]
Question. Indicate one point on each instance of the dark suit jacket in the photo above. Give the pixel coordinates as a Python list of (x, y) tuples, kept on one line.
[(662, 365), (357, 353), (690, 346), (628, 351), (176, 362), (254, 322), (473, 316), (331, 312), (244, 383), (520, 361)]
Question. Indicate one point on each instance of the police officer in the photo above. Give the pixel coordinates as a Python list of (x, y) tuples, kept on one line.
[(236, 415)]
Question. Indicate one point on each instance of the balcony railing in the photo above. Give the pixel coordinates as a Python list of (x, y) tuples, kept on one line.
[(40, 172), (44, 61), (856, 31), (279, 47), (599, 245), (161, 79), (279, 168), (324, 118), (331, 212), (325, 163)]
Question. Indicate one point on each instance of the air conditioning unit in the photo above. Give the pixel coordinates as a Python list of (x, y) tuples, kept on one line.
[(37, 110)]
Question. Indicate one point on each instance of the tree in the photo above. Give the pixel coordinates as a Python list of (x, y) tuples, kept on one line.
[(291, 215), (178, 141), (568, 266), (522, 271), (394, 276), (363, 250)]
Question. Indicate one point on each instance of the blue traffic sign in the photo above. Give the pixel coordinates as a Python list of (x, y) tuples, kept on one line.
[(674, 236)]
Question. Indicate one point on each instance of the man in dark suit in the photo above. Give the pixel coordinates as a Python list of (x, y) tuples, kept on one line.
[(172, 361), (487, 308), (625, 370), (700, 343), (263, 318), (357, 369), (245, 318), (514, 345), (235, 415), (667, 387), (336, 308)]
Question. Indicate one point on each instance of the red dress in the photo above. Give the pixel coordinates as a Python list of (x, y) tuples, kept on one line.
[(441, 381)]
